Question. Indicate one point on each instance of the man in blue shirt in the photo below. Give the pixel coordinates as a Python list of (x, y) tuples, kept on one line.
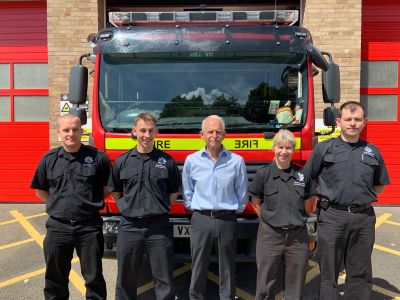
[(215, 189)]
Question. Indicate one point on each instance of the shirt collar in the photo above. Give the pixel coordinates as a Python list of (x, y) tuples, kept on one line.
[(69, 156), (339, 142), (203, 152), (285, 175), (134, 152)]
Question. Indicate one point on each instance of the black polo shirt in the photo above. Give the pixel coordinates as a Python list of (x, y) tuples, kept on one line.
[(75, 182), (146, 180), (283, 193), (346, 173)]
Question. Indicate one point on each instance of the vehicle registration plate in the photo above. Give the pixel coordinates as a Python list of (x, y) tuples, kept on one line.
[(182, 231)]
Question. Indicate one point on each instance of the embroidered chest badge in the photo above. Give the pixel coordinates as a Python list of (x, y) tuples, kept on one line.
[(161, 163), (300, 180), (88, 161), (368, 151)]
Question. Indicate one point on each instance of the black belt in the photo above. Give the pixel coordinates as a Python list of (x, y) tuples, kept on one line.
[(72, 222), (215, 213), (351, 208), (147, 218), (289, 227)]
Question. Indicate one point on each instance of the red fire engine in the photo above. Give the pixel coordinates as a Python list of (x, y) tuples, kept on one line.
[(253, 68)]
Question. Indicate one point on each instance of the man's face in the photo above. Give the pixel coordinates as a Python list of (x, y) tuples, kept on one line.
[(213, 134), (351, 123), (70, 132), (145, 132)]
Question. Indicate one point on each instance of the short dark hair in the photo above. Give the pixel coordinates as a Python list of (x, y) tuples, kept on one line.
[(147, 117), (352, 105)]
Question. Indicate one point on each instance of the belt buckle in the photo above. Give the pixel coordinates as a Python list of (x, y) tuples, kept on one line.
[(72, 222), (350, 208), (285, 227), (212, 212)]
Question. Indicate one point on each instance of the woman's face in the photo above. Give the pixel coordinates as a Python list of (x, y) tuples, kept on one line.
[(283, 152)]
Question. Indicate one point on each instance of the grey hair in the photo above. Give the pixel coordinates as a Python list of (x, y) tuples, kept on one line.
[(203, 124), (284, 136)]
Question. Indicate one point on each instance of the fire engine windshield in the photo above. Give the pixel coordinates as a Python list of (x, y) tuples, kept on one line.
[(254, 92)]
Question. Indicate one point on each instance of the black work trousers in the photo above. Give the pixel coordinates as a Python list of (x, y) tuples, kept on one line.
[(59, 243), (349, 238), (277, 248), (205, 232), (153, 235)]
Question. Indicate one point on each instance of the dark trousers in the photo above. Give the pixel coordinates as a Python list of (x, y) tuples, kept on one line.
[(204, 232), (59, 243), (154, 235), (348, 238), (275, 246)]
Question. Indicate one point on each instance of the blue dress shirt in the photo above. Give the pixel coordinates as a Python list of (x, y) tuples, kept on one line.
[(219, 185)]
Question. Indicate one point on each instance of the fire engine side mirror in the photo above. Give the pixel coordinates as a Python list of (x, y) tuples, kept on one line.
[(317, 57), (331, 82), (80, 113), (78, 82), (330, 115)]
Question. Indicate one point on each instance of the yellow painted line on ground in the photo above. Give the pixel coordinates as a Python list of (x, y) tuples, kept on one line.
[(313, 272), (382, 219), (239, 292), (144, 288), (16, 244), (22, 277), (393, 223), (378, 289), (74, 277), (28, 275), (386, 292), (182, 270), (26, 217), (148, 286), (388, 250)]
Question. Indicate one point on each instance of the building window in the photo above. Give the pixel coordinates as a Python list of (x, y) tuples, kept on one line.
[(379, 74), (24, 92), (380, 107), (4, 76), (30, 76), (31, 108), (5, 109)]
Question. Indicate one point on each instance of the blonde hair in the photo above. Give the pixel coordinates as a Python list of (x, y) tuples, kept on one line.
[(284, 136)]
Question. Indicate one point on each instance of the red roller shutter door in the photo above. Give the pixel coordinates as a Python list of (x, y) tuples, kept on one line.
[(23, 137), (381, 52)]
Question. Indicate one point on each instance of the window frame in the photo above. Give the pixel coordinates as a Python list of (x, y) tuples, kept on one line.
[(367, 91), (13, 92)]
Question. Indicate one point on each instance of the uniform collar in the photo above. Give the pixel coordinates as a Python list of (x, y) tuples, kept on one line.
[(340, 143), (283, 174), (69, 156), (134, 152)]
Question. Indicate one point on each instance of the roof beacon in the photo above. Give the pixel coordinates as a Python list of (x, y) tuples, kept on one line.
[(280, 17)]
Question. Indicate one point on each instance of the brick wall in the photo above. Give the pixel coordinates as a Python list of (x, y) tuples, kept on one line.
[(335, 26), (68, 24)]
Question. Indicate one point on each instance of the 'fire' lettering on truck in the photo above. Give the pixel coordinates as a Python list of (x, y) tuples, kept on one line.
[(196, 143)]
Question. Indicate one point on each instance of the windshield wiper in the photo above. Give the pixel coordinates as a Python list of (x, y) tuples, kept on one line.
[(178, 123), (120, 130)]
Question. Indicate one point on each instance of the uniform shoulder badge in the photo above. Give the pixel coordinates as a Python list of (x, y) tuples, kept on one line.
[(368, 151), (88, 161), (300, 179), (161, 162)]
